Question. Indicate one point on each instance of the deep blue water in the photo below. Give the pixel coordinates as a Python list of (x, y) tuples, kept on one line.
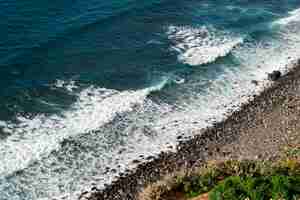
[(103, 82)]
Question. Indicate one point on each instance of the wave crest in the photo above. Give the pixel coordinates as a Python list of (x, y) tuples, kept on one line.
[(34, 139), (198, 46), (294, 16)]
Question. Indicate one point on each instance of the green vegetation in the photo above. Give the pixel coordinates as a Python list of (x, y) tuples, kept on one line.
[(257, 188), (247, 179), (235, 180)]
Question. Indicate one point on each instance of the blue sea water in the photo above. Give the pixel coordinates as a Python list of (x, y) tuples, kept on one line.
[(88, 86)]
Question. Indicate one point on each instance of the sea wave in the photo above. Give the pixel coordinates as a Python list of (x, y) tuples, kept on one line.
[(198, 46), (70, 85), (294, 16), (232, 85), (34, 139)]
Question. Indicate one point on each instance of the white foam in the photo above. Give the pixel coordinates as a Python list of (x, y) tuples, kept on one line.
[(3, 124), (198, 46), (294, 16), (167, 125), (33, 139), (229, 90), (234, 7), (98, 106), (68, 85)]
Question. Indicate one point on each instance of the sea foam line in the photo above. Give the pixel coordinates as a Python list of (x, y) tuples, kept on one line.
[(294, 16), (256, 61), (198, 46), (33, 139)]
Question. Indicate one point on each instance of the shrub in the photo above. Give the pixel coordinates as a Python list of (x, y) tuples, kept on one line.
[(257, 188), (233, 180)]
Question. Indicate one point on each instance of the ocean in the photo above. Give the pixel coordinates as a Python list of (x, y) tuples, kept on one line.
[(88, 87)]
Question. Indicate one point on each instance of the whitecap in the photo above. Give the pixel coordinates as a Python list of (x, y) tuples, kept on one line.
[(3, 124), (35, 138), (68, 85), (198, 46), (294, 16)]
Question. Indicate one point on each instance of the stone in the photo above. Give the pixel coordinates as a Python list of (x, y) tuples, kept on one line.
[(274, 76), (255, 82)]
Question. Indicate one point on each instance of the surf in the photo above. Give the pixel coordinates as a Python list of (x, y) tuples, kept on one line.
[(34, 139), (294, 16), (207, 72), (204, 45)]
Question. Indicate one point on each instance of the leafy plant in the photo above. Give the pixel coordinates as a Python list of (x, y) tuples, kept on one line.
[(257, 188), (234, 180)]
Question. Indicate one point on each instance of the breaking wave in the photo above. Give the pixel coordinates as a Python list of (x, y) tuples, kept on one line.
[(105, 130), (198, 46), (34, 139), (294, 16)]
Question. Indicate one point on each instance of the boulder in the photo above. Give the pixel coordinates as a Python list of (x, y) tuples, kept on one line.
[(255, 82), (274, 76)]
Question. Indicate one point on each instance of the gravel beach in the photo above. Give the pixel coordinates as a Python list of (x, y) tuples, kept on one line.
[(258, 130)]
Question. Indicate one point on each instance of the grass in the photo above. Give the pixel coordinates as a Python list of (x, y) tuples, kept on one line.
[(257, 188), (235, 180)]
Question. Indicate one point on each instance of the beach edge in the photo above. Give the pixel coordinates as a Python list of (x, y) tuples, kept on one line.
[(202, 146)]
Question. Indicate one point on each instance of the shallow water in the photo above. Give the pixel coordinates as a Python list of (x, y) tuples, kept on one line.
[(88, 87)]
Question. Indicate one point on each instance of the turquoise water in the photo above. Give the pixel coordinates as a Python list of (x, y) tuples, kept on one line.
[(89, 86)]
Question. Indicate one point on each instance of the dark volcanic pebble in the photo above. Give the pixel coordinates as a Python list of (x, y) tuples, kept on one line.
[(136, 161), (274, 76), (255, 82), (211, 142), (179, 137)]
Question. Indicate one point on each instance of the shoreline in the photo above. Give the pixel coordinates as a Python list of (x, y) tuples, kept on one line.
[(226, 139)]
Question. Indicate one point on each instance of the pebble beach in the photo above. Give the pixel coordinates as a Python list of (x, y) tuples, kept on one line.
[(259, 130)]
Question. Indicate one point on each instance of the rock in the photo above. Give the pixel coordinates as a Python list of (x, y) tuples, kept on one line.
[(95, 188), (274, 76), (113, 171), (121, 151), (107, 169), (255, 82), (135, 161), (179, 137), (150, 158)]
